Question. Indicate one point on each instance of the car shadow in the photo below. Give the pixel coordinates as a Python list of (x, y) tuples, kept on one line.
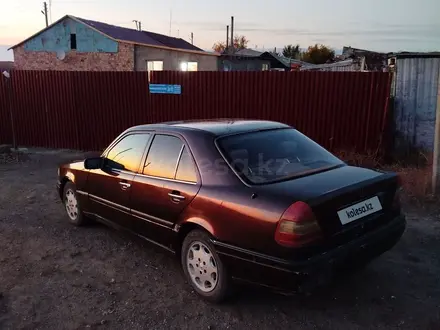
[(344, 291)]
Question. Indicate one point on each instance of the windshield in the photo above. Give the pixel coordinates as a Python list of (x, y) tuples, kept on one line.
[(267, 156)]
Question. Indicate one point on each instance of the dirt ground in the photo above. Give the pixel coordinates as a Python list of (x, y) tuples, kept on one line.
[(56, 276)]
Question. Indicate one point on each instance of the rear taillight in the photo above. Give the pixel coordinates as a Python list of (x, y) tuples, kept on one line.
[(297, 226)]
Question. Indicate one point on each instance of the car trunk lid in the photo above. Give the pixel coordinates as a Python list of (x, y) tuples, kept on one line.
[(340, 190)]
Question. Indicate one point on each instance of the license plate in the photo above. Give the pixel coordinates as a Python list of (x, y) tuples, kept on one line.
[(359, 210)]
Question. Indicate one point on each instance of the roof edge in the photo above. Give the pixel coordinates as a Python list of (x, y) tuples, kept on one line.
[(46, 28), (421, 55), (91, 27), (201, 52)]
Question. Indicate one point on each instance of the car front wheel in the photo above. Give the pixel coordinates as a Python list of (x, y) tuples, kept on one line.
[(72, 205), (203, 268)]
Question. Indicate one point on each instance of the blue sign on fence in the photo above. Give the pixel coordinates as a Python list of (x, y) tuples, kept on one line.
[(165, 89)]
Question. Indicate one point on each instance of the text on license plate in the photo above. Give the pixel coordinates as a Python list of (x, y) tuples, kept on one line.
[(359, 210)]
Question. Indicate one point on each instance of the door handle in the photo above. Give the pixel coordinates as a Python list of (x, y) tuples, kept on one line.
[(176, 197), (124, 185)]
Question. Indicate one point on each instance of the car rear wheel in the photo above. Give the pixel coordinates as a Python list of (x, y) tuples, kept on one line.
[(72, 205), (203, 268)]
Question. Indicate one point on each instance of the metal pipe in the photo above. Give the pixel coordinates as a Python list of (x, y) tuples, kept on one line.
[(227, 37), (232, 33)]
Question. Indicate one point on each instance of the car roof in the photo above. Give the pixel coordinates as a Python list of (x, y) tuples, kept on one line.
[(217, 127)]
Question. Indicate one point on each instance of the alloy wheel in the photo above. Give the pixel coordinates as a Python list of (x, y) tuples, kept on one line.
[(71, 205), (202, 266)]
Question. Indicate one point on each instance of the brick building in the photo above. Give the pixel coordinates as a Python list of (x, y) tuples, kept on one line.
[(77, 44)]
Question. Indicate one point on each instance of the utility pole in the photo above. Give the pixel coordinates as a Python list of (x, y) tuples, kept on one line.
[(192, 38), (44, 11)]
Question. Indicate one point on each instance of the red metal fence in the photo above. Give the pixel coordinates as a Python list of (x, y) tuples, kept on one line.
[(5, 118), (86, 110)]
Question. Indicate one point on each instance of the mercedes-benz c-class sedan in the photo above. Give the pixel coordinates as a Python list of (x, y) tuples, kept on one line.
[(255, 201)]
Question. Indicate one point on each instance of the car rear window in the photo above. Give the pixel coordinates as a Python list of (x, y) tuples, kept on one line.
[(274, 155)]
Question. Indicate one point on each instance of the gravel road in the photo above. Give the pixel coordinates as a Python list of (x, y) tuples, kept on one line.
[(56, 276)]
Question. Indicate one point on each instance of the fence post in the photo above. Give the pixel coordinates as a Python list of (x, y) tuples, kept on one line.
[(436, 160), (8, 78)]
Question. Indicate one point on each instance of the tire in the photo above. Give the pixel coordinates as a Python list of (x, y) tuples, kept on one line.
[(197, 245), (73, 206)]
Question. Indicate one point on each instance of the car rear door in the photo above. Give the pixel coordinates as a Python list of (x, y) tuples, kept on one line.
[(165, 186), (110, 187)]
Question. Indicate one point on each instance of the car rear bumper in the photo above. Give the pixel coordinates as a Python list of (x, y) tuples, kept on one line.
[(303, 275)]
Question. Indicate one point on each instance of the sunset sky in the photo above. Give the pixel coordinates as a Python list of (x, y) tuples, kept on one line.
[(383, 25)]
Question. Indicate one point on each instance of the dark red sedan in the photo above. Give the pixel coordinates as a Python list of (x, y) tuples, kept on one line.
[(247, 200)]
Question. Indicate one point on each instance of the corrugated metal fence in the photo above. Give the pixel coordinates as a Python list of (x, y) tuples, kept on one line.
[(417, 90), (5, 118), (86, 110), (78, 110)]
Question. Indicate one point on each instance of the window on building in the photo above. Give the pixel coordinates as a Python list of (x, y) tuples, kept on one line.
[(73, 41), (265, 67), (192, 66), (154, 66), (188, 66)]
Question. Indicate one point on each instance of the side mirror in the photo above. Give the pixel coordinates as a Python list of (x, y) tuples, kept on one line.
[(94, 163)]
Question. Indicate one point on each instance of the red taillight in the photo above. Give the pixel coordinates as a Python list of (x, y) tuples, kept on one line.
[(297, 226)]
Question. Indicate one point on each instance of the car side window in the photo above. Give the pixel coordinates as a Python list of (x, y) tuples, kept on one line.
[(186, 170), (163, 156), (127, 153)]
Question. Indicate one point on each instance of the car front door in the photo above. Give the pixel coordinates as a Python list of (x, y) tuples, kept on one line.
[(166, 185), (110, 187)]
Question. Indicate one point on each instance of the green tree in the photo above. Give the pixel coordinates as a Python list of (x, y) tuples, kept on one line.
[(291, 51), (240, 42), (318, 54)]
